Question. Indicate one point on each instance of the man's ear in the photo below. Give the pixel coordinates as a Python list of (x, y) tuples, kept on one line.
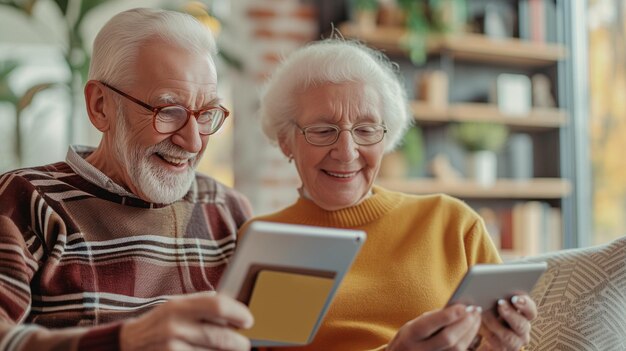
[(95, 101)]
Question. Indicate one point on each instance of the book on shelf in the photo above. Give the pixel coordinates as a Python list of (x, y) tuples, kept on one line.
[(529, 228), (537, 20)]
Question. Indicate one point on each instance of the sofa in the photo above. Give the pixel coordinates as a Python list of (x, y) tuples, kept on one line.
[(581, 299)]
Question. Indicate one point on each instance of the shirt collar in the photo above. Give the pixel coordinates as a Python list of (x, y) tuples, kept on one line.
[(76, 160)]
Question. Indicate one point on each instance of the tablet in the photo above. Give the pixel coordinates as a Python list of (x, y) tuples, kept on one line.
[(484, 284), (287, 275)]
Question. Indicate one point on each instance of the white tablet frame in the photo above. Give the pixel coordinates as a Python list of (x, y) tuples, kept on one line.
[(319, 251), (484, 284)]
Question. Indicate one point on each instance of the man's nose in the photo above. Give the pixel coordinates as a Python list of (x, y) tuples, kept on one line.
[(188, 137)]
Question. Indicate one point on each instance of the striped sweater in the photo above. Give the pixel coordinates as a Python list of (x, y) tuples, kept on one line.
[(75, 255)]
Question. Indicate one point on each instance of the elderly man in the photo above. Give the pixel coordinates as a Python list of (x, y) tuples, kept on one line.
[(96, 252)]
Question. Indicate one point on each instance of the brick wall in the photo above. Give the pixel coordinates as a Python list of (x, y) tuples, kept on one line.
[(261, 32)]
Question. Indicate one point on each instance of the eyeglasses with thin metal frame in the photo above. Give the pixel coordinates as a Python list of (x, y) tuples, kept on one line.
[(170, 118), (327, 134)]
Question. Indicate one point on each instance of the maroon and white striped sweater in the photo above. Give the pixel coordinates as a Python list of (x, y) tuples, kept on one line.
[(75, 255)]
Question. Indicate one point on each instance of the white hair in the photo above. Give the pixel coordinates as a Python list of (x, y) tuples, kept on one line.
[(116, 46), (335, 61)]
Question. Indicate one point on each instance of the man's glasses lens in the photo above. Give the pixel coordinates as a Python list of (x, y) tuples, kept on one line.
[(210, 121), (171, 118)]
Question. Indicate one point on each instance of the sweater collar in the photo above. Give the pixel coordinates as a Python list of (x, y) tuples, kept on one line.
[(305, 211), (75, 159)]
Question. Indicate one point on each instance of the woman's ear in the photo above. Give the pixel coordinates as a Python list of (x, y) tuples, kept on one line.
[(285, 146), (94, 99)]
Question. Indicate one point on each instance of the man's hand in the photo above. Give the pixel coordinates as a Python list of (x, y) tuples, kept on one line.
[(202, 321), (452, 328), (510, 330)]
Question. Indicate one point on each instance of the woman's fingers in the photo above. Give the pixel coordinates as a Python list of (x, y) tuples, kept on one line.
[(510, 330), (525, 305), (452, 328)]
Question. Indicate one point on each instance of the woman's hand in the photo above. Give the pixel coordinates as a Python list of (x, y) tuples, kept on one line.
[(201, 321), (452, 328), (510, 330)]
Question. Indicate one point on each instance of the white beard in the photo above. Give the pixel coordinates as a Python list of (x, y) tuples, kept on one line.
[(156, 183)]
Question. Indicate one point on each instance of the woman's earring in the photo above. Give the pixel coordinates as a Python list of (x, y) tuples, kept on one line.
[(290, 158)]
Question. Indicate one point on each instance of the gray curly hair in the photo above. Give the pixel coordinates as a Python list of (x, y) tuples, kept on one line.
[(333, 60)]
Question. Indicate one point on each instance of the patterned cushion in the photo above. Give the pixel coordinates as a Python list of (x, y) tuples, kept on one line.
[(581, 299)]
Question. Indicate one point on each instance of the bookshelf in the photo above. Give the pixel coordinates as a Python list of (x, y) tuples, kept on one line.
[(538, 118), (469, 47), (470, 61), (536, 188)]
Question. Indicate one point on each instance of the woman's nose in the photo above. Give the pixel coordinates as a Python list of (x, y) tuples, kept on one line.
[(345, 149)]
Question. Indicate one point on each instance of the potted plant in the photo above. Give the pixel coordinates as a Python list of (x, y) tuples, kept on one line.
[(423, 17), (482, 141), (408, 159), (365, 13), (417, 28)]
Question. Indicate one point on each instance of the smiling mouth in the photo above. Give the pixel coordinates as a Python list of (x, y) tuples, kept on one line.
[(175, 161), (341, 175)]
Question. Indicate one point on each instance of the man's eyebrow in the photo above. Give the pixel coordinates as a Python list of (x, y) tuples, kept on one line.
[(168, 98), (215, 101)]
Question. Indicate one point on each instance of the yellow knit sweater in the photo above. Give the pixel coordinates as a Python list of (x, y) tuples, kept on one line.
[(416, 252)]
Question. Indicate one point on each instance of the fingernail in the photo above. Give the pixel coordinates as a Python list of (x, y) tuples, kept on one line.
[(470, 309), (517, 300), (248, 324), (501, 302), (479, 310)]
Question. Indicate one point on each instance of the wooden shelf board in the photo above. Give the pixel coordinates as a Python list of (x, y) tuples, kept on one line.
[(537, 119), (536, 188), (468, 46)]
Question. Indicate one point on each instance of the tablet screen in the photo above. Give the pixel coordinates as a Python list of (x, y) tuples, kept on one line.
[(286, 305)]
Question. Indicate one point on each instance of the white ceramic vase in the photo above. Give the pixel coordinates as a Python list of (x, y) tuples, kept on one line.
[(482, 167)]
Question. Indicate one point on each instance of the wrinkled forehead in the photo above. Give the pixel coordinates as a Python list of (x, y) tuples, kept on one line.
[(160, 60), (348, 102)]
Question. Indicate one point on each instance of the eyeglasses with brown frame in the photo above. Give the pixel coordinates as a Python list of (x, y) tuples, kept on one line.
[(170, 118)]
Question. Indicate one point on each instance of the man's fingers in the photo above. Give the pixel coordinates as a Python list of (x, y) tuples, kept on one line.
[(202, 321), (211, 336), (213, 308)]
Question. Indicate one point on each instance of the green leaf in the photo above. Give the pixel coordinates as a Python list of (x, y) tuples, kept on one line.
[(365, 5), (6, 93), (25, 6), (85, 7), (6, 67), (478, 136), (62, 4), (413, 150), (231, 60), (83, 69)]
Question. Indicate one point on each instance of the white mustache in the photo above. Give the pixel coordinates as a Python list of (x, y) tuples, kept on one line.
[(170, 149)]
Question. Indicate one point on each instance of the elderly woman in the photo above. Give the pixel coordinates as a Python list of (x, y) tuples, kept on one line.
[(334, 108)]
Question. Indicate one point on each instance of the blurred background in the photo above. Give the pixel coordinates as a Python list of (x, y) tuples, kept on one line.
[(519, 104)]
